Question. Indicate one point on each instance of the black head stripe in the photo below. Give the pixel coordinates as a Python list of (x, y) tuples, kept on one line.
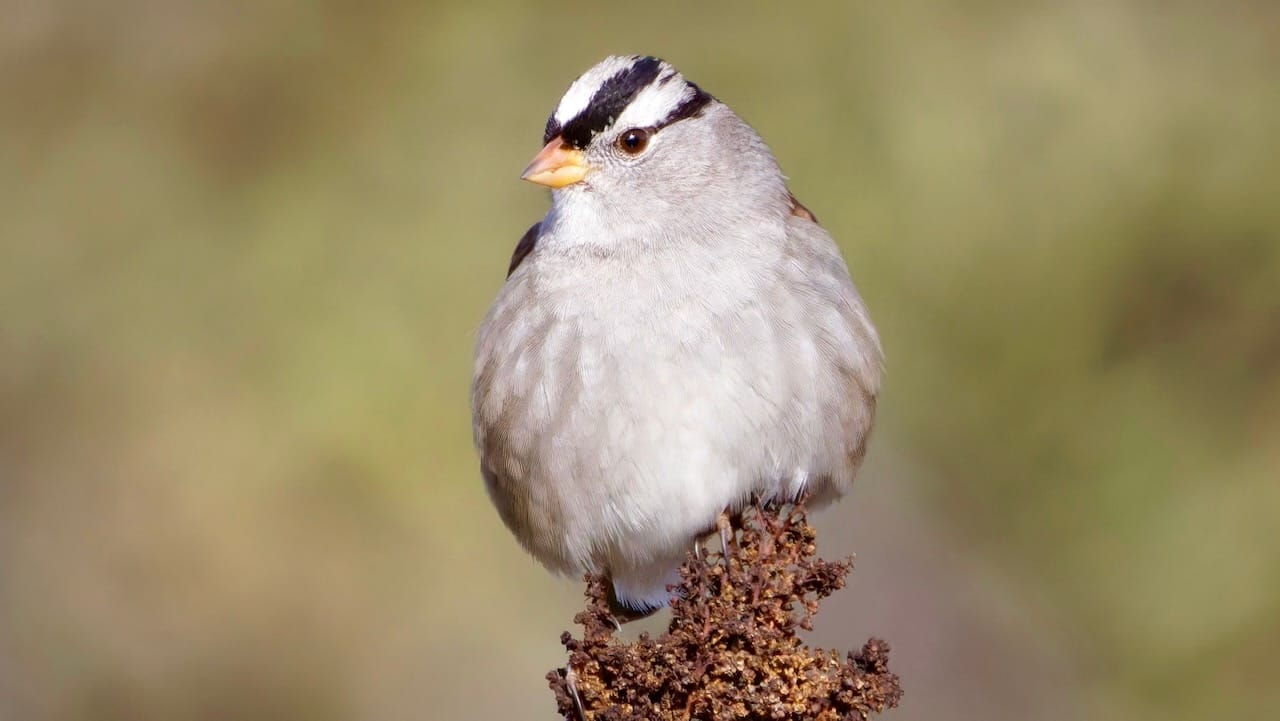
[(689, 107), (614, 95), (553, 129)]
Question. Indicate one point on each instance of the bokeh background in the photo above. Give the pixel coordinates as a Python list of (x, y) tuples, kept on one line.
[(244, 248)]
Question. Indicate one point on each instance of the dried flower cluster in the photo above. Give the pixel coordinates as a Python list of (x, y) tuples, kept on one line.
[(731, 650)]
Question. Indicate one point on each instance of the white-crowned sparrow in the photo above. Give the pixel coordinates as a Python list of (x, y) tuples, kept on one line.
[(676, 336)]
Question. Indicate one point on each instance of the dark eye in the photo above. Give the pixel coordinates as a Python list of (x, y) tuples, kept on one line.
[(634, 141)]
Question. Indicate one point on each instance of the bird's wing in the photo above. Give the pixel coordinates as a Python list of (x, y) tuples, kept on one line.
[(798, 209), (524, 247), (852, 359)]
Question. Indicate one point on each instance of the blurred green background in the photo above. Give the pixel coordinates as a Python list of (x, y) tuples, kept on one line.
[(244, 248)]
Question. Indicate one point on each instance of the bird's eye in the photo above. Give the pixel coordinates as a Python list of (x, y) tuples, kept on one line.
[(634, 141)]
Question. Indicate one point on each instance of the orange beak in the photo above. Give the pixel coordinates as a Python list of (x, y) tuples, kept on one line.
[(556, 165)]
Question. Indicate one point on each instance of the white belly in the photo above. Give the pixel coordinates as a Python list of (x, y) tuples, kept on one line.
[(615, 425)]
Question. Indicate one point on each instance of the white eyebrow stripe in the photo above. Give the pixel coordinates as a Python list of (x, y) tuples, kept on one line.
[(654, 103), (579, 94)]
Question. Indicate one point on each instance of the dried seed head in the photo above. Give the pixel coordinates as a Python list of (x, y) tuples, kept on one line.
[(731, 650)]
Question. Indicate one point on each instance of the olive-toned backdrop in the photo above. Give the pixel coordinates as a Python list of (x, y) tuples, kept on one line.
[(244, 248)]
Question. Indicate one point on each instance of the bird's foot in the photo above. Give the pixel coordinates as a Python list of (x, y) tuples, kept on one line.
[(571, 681), (619, 612), (726, 532)]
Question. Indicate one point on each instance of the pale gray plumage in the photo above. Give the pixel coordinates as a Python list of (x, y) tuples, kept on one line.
[(680, 338)]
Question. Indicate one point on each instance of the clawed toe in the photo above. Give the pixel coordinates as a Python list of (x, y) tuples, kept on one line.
[(571, 681), (726, 532)]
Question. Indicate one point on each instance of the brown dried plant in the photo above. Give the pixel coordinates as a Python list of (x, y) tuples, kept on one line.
[(732, 649)]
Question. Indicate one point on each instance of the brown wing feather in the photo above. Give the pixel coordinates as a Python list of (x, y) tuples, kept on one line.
[(524, 247), (798, 210)]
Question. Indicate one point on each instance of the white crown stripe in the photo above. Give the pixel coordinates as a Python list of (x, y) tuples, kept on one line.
[(579, 94), (653, 104)]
